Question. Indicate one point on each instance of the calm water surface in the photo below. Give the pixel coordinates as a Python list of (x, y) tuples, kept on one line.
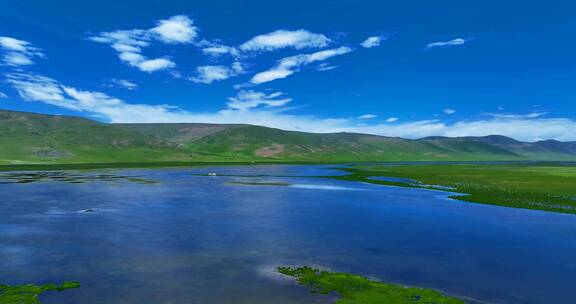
[(174, 236)]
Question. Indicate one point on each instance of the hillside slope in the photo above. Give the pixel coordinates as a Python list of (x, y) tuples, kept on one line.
[(261, 142), (37, 138), (177, 132), (547, 149)]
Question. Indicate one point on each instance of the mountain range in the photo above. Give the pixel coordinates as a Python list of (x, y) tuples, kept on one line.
[(38, 138)]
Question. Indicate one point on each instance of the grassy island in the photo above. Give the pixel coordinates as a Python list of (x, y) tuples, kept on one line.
[(30, 293), (354, 289)]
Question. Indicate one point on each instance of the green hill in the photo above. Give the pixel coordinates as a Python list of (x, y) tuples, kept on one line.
[(37, 138), (261, 142)]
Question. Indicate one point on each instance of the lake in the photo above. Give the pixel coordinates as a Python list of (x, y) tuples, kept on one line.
[(163, 236)]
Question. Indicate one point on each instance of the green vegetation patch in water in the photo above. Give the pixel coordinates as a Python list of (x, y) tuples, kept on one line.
[(30, 293), (354, 289)]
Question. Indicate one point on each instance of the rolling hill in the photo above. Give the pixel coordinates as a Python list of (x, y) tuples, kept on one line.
[(37, 138)]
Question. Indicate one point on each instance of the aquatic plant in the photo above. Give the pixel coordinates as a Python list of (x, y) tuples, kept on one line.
[(354, 289), (30, 293)]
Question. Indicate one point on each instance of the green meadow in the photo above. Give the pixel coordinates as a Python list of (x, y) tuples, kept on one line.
[(540, 186)]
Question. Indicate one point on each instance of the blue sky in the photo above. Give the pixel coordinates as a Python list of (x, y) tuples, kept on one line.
[(395, 68)]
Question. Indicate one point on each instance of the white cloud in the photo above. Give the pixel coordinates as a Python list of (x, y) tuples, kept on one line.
[(2, 95), (371, 42), (158, 64), (124, 41), (39, 88), (176, 29), (246, 100), (323, 67), (129, 43), (33, 87), (367, 116), (449, 111), (392, 119), (210, 73), (271, 75), (298, 39), (122, 83), (13, 44), (18, 52), (453, 42), (289, 65), (17, 59)]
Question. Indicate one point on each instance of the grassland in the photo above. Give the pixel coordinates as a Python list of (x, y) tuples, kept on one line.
[(543, 186), (30, 293), (354, 289)]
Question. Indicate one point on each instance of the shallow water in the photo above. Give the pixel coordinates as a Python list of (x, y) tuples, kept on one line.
[(181, 237)]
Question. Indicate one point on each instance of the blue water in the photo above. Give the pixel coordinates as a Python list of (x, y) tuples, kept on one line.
[(163, 236)]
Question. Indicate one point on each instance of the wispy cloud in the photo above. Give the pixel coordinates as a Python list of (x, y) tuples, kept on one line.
[(210, 73), (32, 87), (2, 95), (129, 43), (298, 39), (122, 83), (216, 49), (517, 116), (371, 42), (323, 67), (449, 111), (392, 119), (453, 42), (18, 52), (246, 100), (289, 65), (367, 116)]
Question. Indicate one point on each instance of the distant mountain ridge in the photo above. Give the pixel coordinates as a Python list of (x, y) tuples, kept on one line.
[(38, 138)]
